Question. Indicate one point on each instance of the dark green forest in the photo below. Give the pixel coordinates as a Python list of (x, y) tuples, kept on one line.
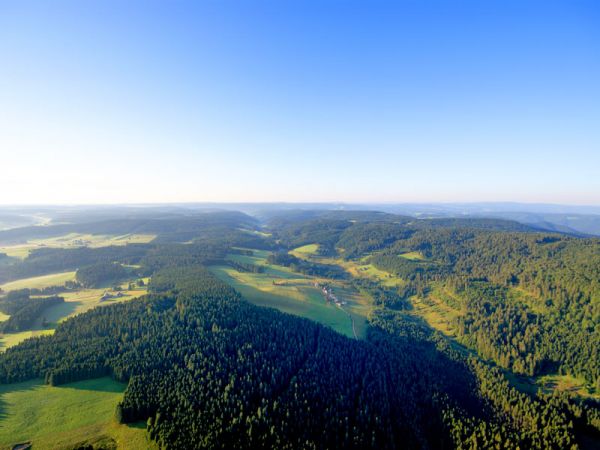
[(206, 369)]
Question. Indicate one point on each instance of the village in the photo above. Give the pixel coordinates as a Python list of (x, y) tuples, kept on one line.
[(330, 295)]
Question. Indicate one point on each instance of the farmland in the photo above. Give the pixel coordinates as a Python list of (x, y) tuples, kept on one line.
[(357, 268), (433, 308), (54, 279), (56, 417), (74, 240), (294, 293), (76, 302)]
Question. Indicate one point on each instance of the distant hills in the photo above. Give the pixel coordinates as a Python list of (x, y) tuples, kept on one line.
[(570, 219)]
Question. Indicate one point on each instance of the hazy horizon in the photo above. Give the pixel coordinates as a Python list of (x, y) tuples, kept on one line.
[(355, 102)]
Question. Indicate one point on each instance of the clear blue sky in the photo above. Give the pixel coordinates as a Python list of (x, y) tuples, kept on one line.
[(401, 101)]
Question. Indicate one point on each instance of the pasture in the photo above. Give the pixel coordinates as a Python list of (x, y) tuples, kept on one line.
[(74, 240), (279, 287), (83, 300), (57, 417), (8, 340), (53, 279), (412, 256), (305, 251), (358, 269), (76, 302), (291, 295)]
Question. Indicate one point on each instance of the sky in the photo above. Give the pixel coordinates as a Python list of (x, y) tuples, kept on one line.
[(299, 101)]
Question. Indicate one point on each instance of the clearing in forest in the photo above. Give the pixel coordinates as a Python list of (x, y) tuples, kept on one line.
[(280, 287), (76, 302)]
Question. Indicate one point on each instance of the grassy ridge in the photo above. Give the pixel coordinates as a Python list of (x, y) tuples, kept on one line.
[(55, 417)]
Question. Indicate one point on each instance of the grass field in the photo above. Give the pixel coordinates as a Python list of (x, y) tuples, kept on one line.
[(294, 293), (74, 240), (358, 269), (83, 300), (305, 251), (56, 417), (412, 256), (11, 339), (439, 309), (53, 279), (566, 383), (436, 313), (76, 302)]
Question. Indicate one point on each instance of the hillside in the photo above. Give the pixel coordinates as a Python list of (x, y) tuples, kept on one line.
[(470, 331)]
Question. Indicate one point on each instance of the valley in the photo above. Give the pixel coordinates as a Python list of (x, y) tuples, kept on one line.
[(301, 298)]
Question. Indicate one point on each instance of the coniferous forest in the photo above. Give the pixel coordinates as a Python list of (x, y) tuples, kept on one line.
[(205, 368)]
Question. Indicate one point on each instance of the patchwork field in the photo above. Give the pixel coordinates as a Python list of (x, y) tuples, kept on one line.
[(56, 417), (74, 240), (53, 279)]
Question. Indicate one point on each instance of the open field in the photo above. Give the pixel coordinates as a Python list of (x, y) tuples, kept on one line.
[(305, 250), (358, 269), (53, 279), (436, 313), (256, 232), (76, 302), (56, 417), (294, 293), (294, 296), (566, 383), (412, 256), (74, 240), (438, 309), (11, 339), (85, 299)]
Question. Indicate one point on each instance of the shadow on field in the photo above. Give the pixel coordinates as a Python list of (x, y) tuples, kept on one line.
[(12, 388), (104, 384), (57, 312)]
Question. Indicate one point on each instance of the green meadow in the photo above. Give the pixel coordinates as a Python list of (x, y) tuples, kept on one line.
[(305, 251), (54, 417), (8, 340), (74, 240), (413, 256), (76, 302), (357, 268), (54, 279), (295, 293), (291, 295)]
